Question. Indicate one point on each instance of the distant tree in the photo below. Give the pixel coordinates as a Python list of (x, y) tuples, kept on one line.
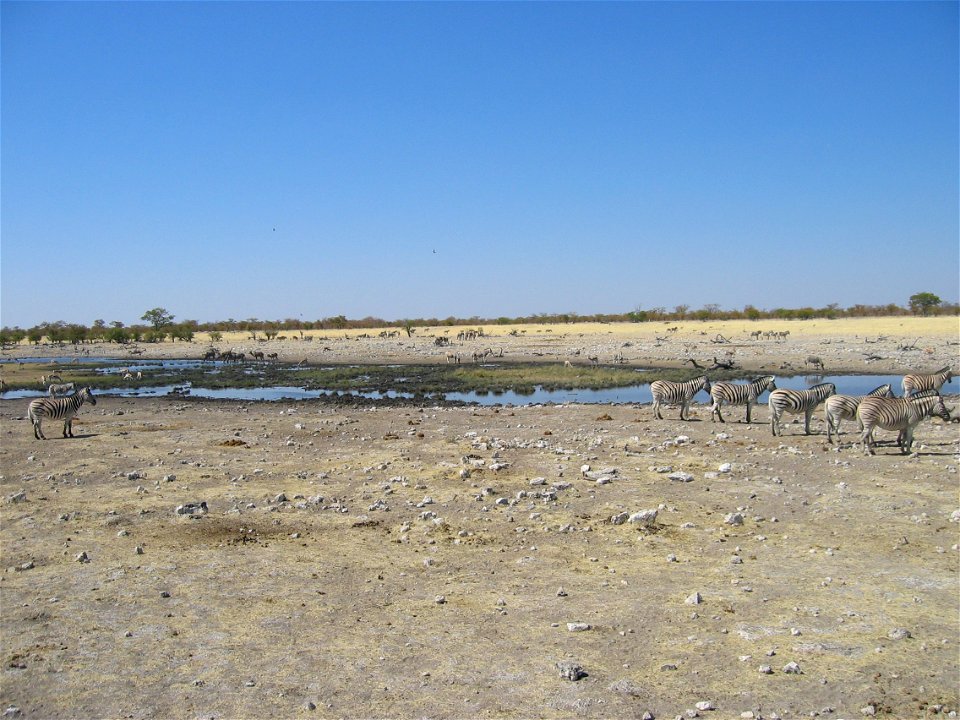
[(76, 334), (216, 336), (117, 333), (158, 317), (922, 302)]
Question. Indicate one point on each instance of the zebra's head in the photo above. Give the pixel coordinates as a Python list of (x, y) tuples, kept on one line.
[(87, 395), (941, 410)]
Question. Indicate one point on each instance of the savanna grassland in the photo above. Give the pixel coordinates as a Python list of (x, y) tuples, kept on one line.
[(416, 560)]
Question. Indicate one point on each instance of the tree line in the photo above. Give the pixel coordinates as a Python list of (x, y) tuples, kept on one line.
[(160, 326)]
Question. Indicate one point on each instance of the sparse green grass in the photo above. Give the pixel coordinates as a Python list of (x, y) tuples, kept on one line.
[(416, 379)]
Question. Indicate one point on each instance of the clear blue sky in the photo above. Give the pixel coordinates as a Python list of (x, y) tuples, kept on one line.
[(400, 160)]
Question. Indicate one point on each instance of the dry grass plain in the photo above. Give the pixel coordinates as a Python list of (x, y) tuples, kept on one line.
[(402, 561)]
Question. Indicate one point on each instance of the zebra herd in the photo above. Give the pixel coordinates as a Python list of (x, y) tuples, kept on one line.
[(879, 408)]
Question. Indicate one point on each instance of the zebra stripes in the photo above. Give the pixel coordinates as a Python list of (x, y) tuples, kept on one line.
[(844, 407), (796, 402), (739, 394), (672, 393), (903, 414), (913, 384), (55, 408)]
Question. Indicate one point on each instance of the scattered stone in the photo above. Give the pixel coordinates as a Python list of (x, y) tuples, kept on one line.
[(868, 710), (725, 468), (791, 668), (694, 599), (705, 705), (765, 670), (645, 518), (733, 519), (620, 518), (578, 626), (25, 566), (17, 497), (571, 671), (440, 599), (192, 508), (83, 557), (899, 634), (680, 476)]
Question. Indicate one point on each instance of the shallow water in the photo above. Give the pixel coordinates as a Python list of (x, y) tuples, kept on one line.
[(637, 394)]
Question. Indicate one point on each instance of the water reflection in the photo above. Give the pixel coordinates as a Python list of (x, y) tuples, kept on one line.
[(637, 394)]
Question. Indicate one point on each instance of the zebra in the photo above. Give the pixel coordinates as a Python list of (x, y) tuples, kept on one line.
[(903, 414), (738, 394), (671, 393), (934, 381), (844, 407), (58, 409), (796, 402), (60, 389)]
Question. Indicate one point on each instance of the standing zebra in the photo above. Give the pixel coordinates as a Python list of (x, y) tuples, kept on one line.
[(56, 408), (844, 407), (739, 394), (934, 381), (671, 393), (796, 402), (903, 414)]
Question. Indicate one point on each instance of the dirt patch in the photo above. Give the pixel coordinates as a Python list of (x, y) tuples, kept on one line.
[(441, 561)]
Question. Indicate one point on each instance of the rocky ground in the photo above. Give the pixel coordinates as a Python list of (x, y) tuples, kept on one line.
[(401, 561)]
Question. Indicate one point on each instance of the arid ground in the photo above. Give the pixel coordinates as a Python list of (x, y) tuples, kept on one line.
[(396, 560)]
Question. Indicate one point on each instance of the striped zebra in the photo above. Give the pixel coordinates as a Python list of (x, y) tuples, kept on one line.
[(56, 389), (934, 381), (844, 407), (739, 394), (58, 409), (903, 414), (796, 402), (671, 393)]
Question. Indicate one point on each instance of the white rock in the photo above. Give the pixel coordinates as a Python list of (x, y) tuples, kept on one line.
[(725, 468), (733, 519), (680, 476), (694, 599), (644, 517)]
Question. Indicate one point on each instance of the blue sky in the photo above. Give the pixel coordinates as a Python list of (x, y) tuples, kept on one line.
[(403, 160)]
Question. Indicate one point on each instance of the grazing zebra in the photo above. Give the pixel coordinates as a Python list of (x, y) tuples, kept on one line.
[(796, 402), (58, 409), (915, 383), (738, 394), (671, 393), (903, 414), (56, 389), (844, 407)]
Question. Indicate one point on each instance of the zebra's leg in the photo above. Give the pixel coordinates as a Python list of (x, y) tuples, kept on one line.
[(37, 429), (905, 438), (806, 421), (683, 410), (716, 410), (656, 409), (749, 406), (866, 440), (68, 428), (774, 422)]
